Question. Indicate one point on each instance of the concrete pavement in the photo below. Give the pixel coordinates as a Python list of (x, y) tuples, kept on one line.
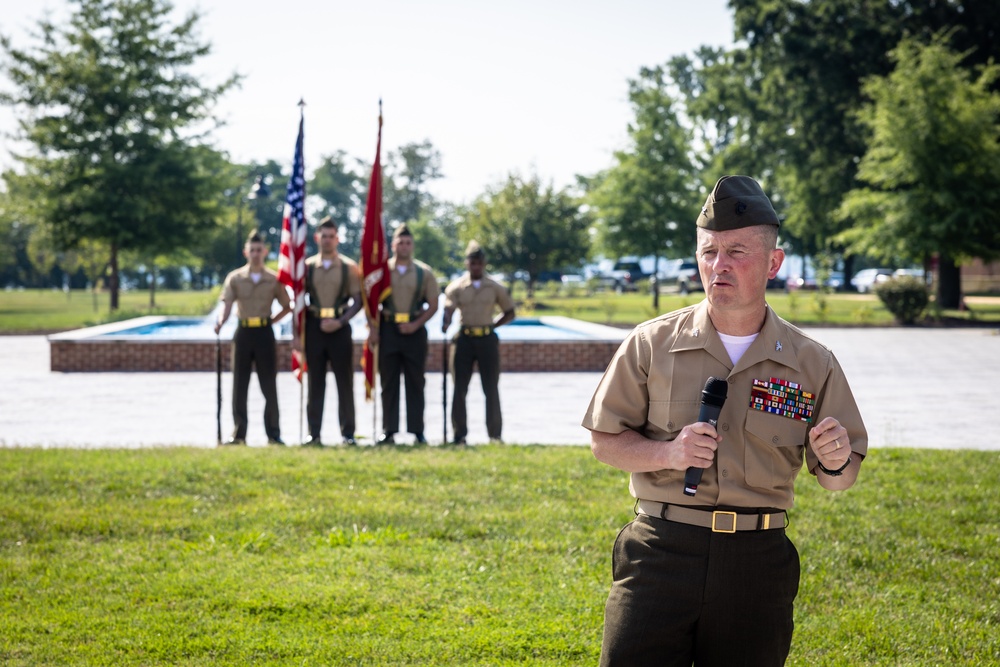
[(916, 388)]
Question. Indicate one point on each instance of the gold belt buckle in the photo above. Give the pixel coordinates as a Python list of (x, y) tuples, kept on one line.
[(715, 517), (327, 313), (254, 322), (402, 318)]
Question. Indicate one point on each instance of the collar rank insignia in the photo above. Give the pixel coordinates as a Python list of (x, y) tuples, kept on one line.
[(777, 346), (784, 398)]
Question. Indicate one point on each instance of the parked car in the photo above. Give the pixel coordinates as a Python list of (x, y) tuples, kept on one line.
[(834, 281), (572, 281), (688, 278), (624, 275), (865, 279)]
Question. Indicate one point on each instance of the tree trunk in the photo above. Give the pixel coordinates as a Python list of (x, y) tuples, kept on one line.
[(654, 285), (949, 287), (113, 277), (152, 287), (848, 272)]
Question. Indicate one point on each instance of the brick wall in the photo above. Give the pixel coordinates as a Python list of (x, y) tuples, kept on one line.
[(70, 356)]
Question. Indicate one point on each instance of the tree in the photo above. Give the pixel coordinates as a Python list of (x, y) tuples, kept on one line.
[(410, 168), (932, 171), (648, 201), (339, 187), (525, 226), (112, 114)]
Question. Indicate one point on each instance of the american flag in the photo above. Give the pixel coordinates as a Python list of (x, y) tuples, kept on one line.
[(376, 282), (292, 255)]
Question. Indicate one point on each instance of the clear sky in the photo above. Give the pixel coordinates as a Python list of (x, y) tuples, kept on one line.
[(525, 86)]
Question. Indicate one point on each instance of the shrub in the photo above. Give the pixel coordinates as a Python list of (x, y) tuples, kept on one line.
[(903, 296)]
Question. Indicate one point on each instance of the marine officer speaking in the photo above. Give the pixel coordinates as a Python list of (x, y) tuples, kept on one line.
[(710, 578), (254, 288), (477, 298), (333, 291)]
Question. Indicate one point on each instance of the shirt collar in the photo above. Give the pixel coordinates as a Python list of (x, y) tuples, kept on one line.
[(773, 343)]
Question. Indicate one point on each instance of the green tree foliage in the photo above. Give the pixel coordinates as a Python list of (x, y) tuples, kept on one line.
[(338, 184), (932, 171), (113, 113), (647, 202), (408, 171), (525, 226)]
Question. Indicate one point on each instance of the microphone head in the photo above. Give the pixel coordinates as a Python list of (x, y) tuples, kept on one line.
[(715, 392)]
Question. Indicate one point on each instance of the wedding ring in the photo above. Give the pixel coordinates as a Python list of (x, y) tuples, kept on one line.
[(838, 443)]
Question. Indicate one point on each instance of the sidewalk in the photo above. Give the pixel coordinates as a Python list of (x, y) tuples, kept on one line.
[(916, 388)]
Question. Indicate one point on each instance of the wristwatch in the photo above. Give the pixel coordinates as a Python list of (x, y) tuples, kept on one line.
[(839, 471)]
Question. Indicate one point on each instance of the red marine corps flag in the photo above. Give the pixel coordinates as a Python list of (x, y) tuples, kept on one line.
[(292, 255), (376, 283)]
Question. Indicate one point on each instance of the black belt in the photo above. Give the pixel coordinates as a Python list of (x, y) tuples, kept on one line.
[(720, 521), (477, 332), (255, 322)]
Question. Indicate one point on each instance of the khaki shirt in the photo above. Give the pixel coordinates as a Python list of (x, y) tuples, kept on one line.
[(404, 286), (477, 306), (654, 382), (325, 283), (254, 299)]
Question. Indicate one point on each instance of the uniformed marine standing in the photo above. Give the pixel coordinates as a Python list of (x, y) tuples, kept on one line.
[(402, 337), (477, 298), (710, 578), (254, 288), (333, 290)]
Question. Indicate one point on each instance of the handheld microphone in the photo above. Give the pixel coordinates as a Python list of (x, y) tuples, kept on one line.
[(713, 397)]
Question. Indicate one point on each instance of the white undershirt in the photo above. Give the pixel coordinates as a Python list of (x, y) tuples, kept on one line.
[(477, 283), (327, 263), (737, 345), (401, 268), (255, 277)]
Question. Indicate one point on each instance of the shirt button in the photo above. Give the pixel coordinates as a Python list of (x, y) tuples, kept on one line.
[(670, 425), (725, 472), (732, 380), (725, 427), (774, 439)]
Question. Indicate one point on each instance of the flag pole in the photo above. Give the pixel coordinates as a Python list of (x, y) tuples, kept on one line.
[(444, 388), (302, 381), (218, 390), (376, 392), (298, 324)]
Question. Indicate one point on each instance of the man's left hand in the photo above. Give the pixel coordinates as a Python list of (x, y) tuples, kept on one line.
[(830, 443), (329, 324)]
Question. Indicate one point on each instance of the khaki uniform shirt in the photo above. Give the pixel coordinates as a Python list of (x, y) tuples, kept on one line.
[(404, 286), (654, 382), (326, 282), (254, 299), (477, 305)]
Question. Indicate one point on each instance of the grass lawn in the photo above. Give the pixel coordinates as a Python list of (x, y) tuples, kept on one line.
[(437, 556), (38, 310), (35, 311)]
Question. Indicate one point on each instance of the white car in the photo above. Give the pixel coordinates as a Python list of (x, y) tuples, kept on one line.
[(865, 279)]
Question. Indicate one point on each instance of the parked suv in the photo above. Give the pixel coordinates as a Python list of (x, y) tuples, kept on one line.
[(624, 276), (688, 278)]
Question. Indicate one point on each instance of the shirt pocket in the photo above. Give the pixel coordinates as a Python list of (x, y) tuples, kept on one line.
[(664, 423), (774, 448)]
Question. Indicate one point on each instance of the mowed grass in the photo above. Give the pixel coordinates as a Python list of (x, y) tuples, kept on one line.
[(44, 311), (438, 556)]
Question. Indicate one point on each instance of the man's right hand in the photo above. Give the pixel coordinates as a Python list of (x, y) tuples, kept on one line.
[(694, 447)]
